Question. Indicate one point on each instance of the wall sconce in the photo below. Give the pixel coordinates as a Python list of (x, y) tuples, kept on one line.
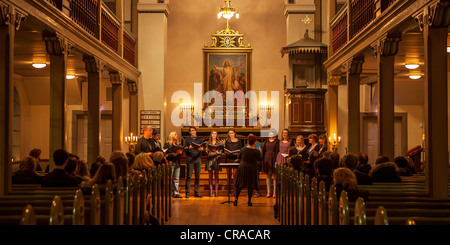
[(334, 142), (131, 141)]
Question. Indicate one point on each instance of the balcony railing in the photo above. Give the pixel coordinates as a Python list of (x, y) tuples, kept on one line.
[(99, 22), (361, 12), (129, 43), (110, 29)]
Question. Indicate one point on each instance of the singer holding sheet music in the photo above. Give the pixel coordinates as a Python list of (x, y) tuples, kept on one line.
[(270, 152), (194, 162), (232, 147), (285, 143), (213, 160), (146, 143), (174, 157)]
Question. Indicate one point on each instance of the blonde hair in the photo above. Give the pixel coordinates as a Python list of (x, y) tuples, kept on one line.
[(158, 156), (171, 138), (142, 161), (301, 138), (345, 177)]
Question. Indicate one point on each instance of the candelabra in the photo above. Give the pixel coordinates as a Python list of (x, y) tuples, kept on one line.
[(266, 109), (334, 142), (131, 141)]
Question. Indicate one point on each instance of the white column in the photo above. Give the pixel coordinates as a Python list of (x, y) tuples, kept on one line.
[(152, 45)]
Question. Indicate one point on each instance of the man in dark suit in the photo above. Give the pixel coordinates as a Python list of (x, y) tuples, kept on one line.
[(146, 143), (59, 177), (194, 162)]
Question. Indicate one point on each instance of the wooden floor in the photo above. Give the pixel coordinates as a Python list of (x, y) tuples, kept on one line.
[(209, 211)]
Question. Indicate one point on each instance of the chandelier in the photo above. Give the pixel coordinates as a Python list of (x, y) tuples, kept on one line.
[(228, 11)]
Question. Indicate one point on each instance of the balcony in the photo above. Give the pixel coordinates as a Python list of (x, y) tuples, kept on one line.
[(353, 18), (98, 21)]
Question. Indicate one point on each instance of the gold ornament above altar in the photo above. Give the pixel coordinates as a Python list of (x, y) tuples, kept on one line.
[(227, 38)]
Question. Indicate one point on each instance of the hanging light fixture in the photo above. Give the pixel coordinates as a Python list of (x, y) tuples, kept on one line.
[(412, 65), (228, 11), (415, 75), (38, 65)]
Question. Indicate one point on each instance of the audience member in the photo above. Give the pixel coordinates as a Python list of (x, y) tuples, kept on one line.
[(120, 162), (324, 171), (402, 165), (71, 167), (142, 162), (82, 170), (334, 156), (27, 173), (345, 179), (350, 161), (294, 160), (59, 177), (411, 164), (309, 168), (158, 158), (381, 159), (131, 157), (104, 173), (385, 172), (36, 154), (99, 161), (363, 163)]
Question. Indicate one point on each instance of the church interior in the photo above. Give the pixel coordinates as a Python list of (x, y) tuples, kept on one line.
[(90, 76)]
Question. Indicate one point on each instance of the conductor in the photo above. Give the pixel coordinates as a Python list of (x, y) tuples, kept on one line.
[(247, 171)]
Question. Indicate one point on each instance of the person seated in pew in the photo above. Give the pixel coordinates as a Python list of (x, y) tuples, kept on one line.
[(350, 161), (82, 170), (381, 159), (99, 161), (59, 177), (309, 168), (120, 162), (71, 167), (295, 161), (141, 162), (385, 172), (158, 158), (402, 165), (363, 163), (411, 164), (36, 154), (335, 157), (104, 173), (27, 174), (345, 179), (324, 171)]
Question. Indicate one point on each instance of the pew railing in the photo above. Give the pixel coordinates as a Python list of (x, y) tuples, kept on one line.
[(322, 204), (28, 216), (314, 202), (381, 217), (307, 197), (108, 204), (119, 212), (78, 208), (360, 212), (333, 214), (344, 216), (56, 212), (95, 203)]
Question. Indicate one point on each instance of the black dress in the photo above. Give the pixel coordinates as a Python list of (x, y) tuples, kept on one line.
[(247, 171)]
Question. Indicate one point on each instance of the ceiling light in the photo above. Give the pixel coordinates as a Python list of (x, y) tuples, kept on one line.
[(448, 49), (228, 11), (415, 75), (412, 65), (39, 65), (70, 76)]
